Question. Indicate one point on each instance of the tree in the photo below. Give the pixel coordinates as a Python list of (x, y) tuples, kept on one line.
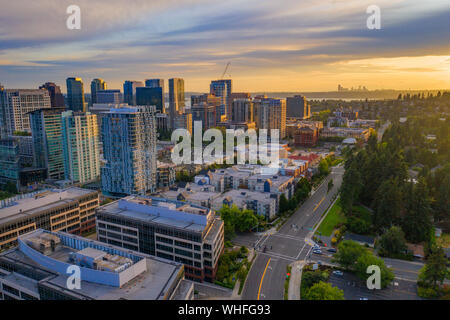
[(330, 185), (324, 291), (310, 278), (368, 259), (246, 220), (348, 253), (393, 242), (417, 222), (284, 204), (388, 204), (435, 270), (323, 167)]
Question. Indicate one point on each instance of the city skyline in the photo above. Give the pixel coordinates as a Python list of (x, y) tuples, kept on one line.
[(289, 46)]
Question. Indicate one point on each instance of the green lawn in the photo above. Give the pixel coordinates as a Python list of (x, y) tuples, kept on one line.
[(333, 218)]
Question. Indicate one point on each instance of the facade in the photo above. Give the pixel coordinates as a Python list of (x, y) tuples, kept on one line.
[(183, 121), (306, 137), (162, 122), (112, 96), (166, 175), (15, 106), (204, 113), (37, 270), (46, 127), (70, 210), (151, 96), (129, 149), (242, 110), (261, 204), (270, 114), (224, 90), (97, 85), (75, 94), (298, 107), (129, 91), (176, 99), (158, 83), (167, 229), (56, 97), (356, 133), (9, 162), (81, 146)]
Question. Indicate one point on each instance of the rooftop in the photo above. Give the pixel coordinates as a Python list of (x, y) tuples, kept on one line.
[(150, 279), (172, 213), (27, 204)]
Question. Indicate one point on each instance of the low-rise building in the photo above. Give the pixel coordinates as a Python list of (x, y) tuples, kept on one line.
[(262, 204), (71, 210), (172, 230), (39, 269), (165, 174)]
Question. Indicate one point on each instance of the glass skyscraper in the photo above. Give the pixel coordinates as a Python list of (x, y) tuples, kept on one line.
[(97, 85), (75, 94), (129, 91), (146, 96)]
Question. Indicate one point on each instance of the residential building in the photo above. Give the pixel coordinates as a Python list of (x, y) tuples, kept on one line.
[(70, 210), (183, 121), (172, 230), (270, 114), (242, 110), (260, 203), (97, 85), (151, 96), (46, 127), (357, 133), (176, 99), (15, 106), (56, 97), (162, 122), (37, 270), (223, 89), (129, 91), (81, 146), (298, 107), (166, 175), (129, 150), (306, 137), (204, 113), (75, 94)]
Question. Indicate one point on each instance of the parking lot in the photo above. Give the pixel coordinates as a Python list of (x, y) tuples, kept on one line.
[(355, 289)]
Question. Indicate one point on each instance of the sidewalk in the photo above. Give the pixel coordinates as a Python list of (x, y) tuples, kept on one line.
[(295, 280)]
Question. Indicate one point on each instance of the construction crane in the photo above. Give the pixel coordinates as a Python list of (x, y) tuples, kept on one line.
[(225, 71)]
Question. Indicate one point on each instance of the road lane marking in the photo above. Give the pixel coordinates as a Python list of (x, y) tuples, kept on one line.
[(318, 204), (260, 284)]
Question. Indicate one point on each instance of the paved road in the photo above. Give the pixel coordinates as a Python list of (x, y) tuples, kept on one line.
[(265, 280)]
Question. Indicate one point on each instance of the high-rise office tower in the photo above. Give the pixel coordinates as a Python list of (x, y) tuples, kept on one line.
[(75, 94), (223, 89), (81, 146), (109, 96), (17, 103), (129, 91), (46, 127), (158, 83), (151, 96), (176, 98), (242, 110), (3, 120), (129, 148), (298, 107), (56, 97), (97, 85), (270, 114)]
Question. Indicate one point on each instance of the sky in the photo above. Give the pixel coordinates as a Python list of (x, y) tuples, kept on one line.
[(282, 45)]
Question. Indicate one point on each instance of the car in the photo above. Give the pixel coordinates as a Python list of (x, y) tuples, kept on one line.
[(332, 250), (319, 263), (317, 251), (316, 246), (363, 298), (338, 273)]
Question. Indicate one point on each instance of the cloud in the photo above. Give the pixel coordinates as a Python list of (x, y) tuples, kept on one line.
[(196, 38)]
